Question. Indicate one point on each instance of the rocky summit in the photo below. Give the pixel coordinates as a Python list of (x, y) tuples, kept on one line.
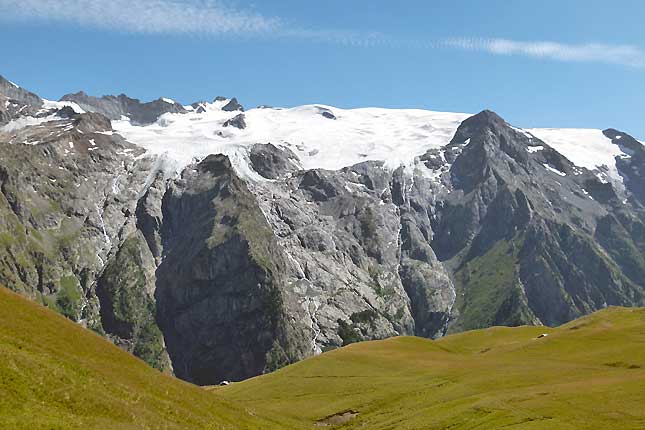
[(218, 244)]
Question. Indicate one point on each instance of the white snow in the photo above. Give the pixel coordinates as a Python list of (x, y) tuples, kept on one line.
[(554, 170), (522, 131), (99, 212), (395, 136), (357, 135), (308, 304), (49, 104), (588, 148), (586, 193), (20, 123), (217, 104), (16, 86), (534, 149), (167, 100), (115, 185), (26, 121), (602, 177)]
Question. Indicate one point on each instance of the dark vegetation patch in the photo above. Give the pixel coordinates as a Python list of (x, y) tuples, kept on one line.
[(337, 419), (623, 365)]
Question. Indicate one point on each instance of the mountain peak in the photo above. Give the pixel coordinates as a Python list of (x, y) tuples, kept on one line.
[(624, 140), (233, 105), (486, 119), (487, 116), (15, 92)]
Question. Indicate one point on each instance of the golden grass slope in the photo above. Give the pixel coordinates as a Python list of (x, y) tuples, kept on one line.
[(56, 375), (588, 374)]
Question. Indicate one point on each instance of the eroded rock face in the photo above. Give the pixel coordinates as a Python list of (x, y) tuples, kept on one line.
[(12, 91), (215, 276), (116, 107), (224, 304), (69, 190), (16, 102), (272, 162), (237, 121), (521, 227), (630, 167), (126, 293)]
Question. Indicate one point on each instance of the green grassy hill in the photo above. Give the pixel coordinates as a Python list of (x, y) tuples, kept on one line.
[(587, 374), (56, 375)]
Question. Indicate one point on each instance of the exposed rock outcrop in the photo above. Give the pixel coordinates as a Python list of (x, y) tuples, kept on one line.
[(232, 106), (224, 304), (116, 107), (238, 122)]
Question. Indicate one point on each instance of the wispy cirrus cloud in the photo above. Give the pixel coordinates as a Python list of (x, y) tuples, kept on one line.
[(218, 17), (624, 55), (191, 17), (208, 17)]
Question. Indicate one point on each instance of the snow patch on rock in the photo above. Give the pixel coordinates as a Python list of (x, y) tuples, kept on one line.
[(534, 149), (554, 170), (49, 104), (588, 148), (26, 121)]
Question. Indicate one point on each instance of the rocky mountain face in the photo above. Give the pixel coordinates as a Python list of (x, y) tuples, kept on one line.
[(117, 107), (532, 238), (16, 102), (214, 272)]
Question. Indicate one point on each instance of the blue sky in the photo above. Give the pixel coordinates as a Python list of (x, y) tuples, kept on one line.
[(547, 63)]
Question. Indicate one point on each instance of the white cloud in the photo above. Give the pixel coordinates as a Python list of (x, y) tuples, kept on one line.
[(209, 17), (625, 55), (215, 17), (197, 17)]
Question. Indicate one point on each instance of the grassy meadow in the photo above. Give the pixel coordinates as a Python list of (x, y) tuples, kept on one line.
[(588, 374)]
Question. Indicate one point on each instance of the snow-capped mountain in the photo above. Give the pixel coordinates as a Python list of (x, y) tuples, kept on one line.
[(325, 137), (223, 243), (321, 137)]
